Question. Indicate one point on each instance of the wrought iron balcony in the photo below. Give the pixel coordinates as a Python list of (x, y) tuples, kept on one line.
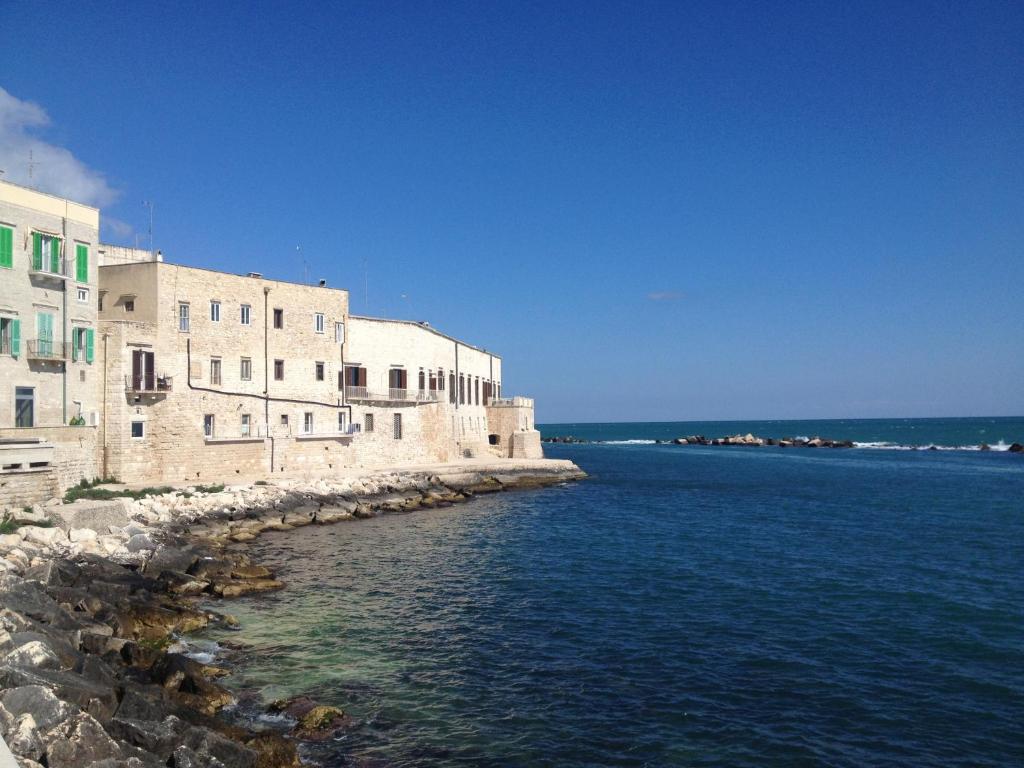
[(46, 268), (392, 395), (45, 349), (148, 384)]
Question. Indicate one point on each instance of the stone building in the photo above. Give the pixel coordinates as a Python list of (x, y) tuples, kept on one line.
[(50, 394), (211, 376), (176, 374)]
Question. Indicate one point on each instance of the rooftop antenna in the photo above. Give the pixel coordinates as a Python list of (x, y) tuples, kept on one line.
[(31, 168), (305, 265), (149, 204)]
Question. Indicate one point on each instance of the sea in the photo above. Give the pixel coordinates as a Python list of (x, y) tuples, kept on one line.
[(683, 606)]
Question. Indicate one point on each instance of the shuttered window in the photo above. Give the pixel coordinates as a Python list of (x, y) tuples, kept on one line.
[(398, 426), (6, 247), (82, 263)]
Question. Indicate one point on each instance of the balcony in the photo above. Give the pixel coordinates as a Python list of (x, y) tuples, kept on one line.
[(46, 268), (148, 384), (48, 351), (392, 395)]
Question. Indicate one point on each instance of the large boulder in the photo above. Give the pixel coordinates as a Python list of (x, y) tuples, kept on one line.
[(32, 654), (1016, 448), (40, 702), (99, 515), (80, 741)]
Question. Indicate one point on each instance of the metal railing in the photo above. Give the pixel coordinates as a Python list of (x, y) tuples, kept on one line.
[(46, 267), (148, 382), (46, 349), (393, 395)]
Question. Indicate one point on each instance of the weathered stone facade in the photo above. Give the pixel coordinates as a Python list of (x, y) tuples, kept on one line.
[(193, 375)]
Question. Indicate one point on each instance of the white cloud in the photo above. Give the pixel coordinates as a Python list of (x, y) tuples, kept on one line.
[(664, 295), (55, 169), (121, 230)]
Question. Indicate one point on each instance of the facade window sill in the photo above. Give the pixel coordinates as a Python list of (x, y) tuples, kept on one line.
[(324, 436), (239, 439)]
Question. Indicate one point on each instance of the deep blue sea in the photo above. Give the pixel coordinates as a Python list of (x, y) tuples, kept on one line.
[(684, 606)]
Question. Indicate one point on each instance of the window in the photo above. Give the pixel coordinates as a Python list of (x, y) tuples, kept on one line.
[(341, 421), (215, 371), (440, 379), (24, 407), (279, 318), (451, 387), (398, 426), (284, 419), (307, 422), (215, 311), (6, 247), (246, 424), (462, 389), (422, 380), (397, 379), (341, 380), (476, 390), (138, 430), (182, 315), (82, 262), (77, 344), (129, 306), (318, 322), (10, 336), (99, 302), (83, 295), (339, 333), (208, 425), (44, 334), (46, 253), (246, 314), (245, 374), (368, 422), (279, 370), (319, 371)]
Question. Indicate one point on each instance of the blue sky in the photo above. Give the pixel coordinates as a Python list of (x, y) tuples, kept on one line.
[(653, 211)]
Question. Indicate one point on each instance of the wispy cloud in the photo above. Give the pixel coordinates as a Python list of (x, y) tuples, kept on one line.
[(54, 169), (664, 295), (121, 230)]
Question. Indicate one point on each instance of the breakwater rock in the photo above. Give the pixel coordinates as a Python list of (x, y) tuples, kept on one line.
[(752, 440), (96, 595)]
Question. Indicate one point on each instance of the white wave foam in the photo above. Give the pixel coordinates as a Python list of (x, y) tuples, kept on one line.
[(629, 442), (1000, 446)]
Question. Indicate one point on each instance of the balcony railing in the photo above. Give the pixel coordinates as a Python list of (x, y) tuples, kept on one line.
[(148, 383), (393, 395), (46, 268), (45, 349)]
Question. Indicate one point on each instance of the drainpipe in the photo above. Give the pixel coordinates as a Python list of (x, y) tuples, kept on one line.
[(106, 450), (64, 323), (266, 372)]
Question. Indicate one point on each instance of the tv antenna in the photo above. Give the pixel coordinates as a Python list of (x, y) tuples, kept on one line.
[(31, 168), (149, 204)]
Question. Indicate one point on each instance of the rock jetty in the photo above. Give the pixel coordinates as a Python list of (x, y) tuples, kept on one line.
[(751, 440), (95, 595)]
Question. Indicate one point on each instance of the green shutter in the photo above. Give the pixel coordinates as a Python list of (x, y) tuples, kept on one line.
[(82, 263), (6, 247), (55, 255), (15, 338), (74, 344), (88, 345), (37, 251)]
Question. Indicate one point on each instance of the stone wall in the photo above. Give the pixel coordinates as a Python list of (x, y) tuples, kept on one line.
[(76, 451), (27, 487), (511, 421)]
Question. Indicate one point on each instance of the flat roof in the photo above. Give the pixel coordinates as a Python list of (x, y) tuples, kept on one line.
[(216, 272), (423, 325), (55, 205)]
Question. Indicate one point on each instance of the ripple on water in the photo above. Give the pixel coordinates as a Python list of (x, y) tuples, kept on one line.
[(677, 609)]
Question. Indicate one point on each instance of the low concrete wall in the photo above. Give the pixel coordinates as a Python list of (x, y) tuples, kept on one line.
[(25, 488), (76, 450)]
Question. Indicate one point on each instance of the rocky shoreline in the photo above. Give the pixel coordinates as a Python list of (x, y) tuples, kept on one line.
[(753, 440), (92, 672)]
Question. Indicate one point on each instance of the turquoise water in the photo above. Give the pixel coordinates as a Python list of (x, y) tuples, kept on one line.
[(698, 606)]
